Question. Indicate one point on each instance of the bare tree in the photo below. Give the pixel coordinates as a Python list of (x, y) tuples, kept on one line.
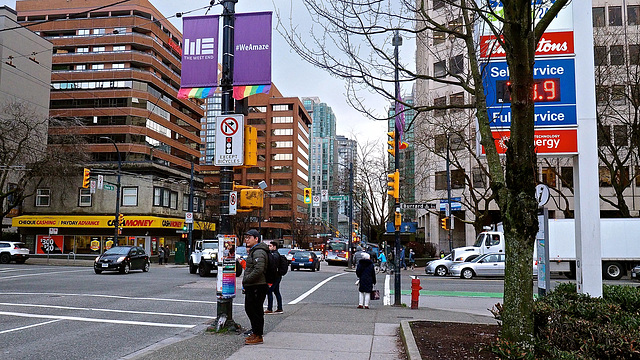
[(25, 159), (353, 42)]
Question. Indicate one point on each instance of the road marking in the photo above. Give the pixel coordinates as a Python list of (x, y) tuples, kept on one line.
[(303, 296), (28, 326), (40, 274), (108, 321), (387, 291), (113, 297), (105, 310)]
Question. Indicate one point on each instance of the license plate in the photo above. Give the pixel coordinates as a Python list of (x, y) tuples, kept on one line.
[(105, 265)]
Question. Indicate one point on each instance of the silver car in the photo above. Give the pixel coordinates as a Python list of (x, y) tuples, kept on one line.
[(485, 265), (440, 267)]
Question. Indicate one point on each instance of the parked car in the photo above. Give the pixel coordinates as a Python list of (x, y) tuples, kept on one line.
[(13, 251), (484, 265), (440, 267), (635, 273), (305, 260), (123, 259)]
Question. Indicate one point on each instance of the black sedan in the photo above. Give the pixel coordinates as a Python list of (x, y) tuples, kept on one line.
[(123, 259), (305, 260)]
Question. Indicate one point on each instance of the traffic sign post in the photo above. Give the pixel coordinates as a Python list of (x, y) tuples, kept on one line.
[(233, 203), (188, 218)]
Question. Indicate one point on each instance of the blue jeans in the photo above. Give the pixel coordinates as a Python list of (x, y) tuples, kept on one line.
[(274, 289)]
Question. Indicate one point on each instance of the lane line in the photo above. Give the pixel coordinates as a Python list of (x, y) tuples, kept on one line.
[(108, 321), (387, 290), (303, 296), (113, 297), (105, 310), (28, 326), (39, 274)]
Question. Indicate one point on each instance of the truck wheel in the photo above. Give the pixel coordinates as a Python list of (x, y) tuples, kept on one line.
[(203, 269), (612, 270), (440, 271), (192, 268)]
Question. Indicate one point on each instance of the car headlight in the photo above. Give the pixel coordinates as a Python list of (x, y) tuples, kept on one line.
[(121, 258), (97, 258)]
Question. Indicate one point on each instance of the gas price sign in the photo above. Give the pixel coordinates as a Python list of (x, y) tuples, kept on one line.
[(544, 90)]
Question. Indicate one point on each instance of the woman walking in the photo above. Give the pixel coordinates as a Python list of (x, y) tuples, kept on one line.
[(366, 279)]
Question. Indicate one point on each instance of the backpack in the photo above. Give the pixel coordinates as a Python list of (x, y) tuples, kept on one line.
[(283, 264), (271, 271)]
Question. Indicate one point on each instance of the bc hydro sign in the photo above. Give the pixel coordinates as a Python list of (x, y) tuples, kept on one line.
[(554, 92)]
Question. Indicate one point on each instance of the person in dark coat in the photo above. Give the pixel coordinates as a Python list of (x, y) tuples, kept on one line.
[(160, 255), (367, 278)]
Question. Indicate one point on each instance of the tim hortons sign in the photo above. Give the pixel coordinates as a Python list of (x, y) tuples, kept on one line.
[(551, 44)]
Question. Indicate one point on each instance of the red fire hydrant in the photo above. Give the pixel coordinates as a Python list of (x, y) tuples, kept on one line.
[(415, 291)]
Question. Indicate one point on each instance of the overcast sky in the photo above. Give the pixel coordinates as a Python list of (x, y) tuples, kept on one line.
[(292, 75)]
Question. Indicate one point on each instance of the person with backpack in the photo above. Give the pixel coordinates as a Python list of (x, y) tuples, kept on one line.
[(274, 288), (255, 285)]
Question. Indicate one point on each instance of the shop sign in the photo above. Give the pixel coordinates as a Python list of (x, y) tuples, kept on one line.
[(95, 245), (551, 141), (49, 244), (551, 43)]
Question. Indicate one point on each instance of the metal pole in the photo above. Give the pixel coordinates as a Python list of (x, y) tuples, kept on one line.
[(115, 223), (190, 239), (397, 41), (225, 306), (351, 214), (448, 208)]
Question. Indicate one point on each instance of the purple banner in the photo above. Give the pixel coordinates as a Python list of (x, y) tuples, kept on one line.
[(200, 52), (252, 57)]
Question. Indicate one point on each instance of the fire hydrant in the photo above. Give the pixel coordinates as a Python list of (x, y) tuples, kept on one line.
[(415, 291)]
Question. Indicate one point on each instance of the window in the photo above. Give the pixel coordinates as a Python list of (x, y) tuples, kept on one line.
[(281, 169), (439, 37), (634, 54), (117, 66), (98, 31), (455, 25), (478, 178), (548, 175), (440, 69), (566, 174), (604, 135), (456, 64), (185, 202), (441, 101), (82, 50), (166, 199), (119, 30), (163, 197), (119, 48), (43, 197), (282, 157), (282, 144), (456, 99), (282, 132), (616, 54), (98, 49), (83, 32), (633, 15), (598, 16), (282, 119), (600, 55), (174, 200), (618, 95), (457, 179), (620, 135), (130, 196), (437, 4), (84, 198), (81, 67), (97, 66), (615, 16), (605, 176), (282, 107), (602, 94)]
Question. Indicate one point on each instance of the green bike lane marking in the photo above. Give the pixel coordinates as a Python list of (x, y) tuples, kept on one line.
[(455, 293)]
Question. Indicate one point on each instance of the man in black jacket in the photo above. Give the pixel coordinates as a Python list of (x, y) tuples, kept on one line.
[(255, 285)]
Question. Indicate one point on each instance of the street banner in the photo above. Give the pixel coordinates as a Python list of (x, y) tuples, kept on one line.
[(199, 56), (252, 56)]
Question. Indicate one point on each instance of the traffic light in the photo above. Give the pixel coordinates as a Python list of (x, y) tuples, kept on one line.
[(250, 146), (307, 195), (121, 219), (394, 184), (444, 223), (392, 143), (85, 178), (355, 228), (184, 227)]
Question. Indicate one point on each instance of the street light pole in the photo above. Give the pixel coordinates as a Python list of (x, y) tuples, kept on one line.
[(396, 42), (351, 214), (115, 223)]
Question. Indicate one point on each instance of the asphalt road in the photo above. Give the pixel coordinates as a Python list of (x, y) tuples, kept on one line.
[(64, 312)]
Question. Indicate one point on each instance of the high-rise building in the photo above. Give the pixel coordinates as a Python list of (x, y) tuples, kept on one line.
[(282, 125), (347, 158), (324, 160), (116, 69)]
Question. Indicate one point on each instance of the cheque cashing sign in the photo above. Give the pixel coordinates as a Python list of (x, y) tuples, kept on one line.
[(103, 222)]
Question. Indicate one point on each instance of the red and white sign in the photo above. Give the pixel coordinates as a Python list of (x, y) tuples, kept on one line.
[(233, 203), (548, 141), (49, 244), (552, 43), (229, 149)]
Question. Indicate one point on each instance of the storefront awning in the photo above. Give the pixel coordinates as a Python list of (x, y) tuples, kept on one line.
[(130, 222)]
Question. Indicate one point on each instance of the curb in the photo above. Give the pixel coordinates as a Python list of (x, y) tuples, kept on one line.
[(409, 341)]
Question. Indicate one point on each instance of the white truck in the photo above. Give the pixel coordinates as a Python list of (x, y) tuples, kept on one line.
[(204, 258), (619, 239)]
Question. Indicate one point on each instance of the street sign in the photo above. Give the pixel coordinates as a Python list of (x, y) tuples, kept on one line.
[(92, 187), (100, 182), (233, 203), (316, 200), (188, 218), (229, 150), (338, 197), (455, 204), (324, 195), (53, 231), (109, 187), (542, 194), (417, 206)]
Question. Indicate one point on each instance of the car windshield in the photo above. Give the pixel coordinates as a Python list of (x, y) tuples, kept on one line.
[(479, 240), (210, 245), (448, 257), (118, 250), (283, 251), (302, 254)]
